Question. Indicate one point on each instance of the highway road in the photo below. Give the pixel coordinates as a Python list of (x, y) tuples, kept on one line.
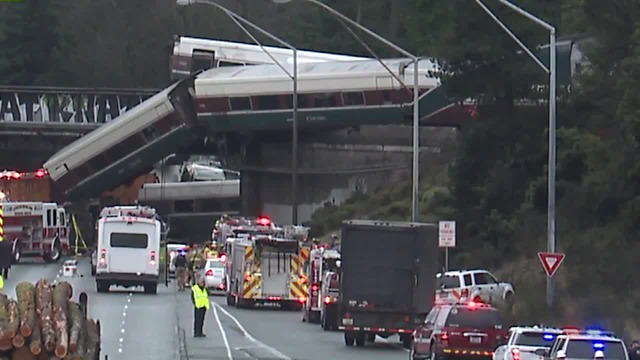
[(134, 325), (243, 334)]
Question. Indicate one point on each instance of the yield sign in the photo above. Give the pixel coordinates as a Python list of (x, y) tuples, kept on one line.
[(550, 262)]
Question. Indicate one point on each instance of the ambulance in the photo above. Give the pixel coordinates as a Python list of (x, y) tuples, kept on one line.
[(36, 229)]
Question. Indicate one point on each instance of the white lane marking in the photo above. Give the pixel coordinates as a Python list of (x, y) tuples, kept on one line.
[(122, 326), (224, 333), (248, 336)]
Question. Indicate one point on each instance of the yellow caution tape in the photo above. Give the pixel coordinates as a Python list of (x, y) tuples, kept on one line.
[(79, 237)]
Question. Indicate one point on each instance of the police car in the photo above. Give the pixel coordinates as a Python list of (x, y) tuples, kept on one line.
[(524, 341), (585, 345)]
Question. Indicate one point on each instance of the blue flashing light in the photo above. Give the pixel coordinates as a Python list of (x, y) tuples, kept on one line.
[(598, 346), (548, 337)]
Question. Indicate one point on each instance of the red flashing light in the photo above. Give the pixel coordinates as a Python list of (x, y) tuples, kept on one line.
[(16, 175), (444, 336), (209, 272), (327, 300), (515, 354), (264, 221), (314, 287), (223, 257), (40, 173), (302, 299)]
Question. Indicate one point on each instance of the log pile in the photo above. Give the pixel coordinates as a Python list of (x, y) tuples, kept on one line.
[(44, 323)]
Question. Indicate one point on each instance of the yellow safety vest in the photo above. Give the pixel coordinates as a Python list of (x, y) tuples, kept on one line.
[(201, 297), (1, 282)]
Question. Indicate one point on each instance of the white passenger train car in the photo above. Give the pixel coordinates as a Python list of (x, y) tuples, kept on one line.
[(125, 147), (320, 85), (194, 54)]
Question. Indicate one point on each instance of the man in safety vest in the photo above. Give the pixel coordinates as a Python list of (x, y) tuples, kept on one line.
[(200, 300), (211, 251)]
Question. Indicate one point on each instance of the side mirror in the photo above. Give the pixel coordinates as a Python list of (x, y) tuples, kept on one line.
[(541, 352)]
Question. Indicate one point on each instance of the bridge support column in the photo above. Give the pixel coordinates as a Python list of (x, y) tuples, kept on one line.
[(250, 195)]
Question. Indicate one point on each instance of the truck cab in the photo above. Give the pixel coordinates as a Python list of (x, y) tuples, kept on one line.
[(128, 251)]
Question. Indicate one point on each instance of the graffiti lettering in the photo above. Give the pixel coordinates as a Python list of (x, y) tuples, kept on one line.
[(65, 108)]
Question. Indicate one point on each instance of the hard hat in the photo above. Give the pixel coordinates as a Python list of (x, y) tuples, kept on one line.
[(599, 354)]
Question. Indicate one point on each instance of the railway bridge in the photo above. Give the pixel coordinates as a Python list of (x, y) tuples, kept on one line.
[(335, 151)]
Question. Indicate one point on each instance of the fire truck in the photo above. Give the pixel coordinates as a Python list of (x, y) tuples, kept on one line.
[(321, 261), (265, 269), (238, 227), (37, 229)]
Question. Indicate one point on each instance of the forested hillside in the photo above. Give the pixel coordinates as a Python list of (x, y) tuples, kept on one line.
[(496, 188)]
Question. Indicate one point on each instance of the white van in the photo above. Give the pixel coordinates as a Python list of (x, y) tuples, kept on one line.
[(128, 252)]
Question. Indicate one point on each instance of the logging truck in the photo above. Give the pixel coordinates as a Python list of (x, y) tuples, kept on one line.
[(39, 229)]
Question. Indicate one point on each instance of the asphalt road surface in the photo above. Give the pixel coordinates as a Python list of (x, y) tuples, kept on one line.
[(134, 325), (242, 334)]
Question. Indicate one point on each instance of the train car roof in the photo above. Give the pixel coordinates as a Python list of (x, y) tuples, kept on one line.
[(335, 68), (108, 128), (251, 53)]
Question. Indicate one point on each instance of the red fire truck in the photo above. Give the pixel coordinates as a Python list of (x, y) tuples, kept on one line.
[(37, 229)]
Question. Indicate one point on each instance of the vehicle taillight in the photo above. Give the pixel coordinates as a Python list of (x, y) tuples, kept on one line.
[(327, 299), (223, 257), (302, 299), (103, 256), (152, 258), (515, 354), (40, 173), (264, 221), (314, 287), (209, 272), (444, 336), (16, 175)]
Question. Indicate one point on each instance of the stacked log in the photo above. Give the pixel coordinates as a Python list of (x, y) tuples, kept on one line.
[(44, 323)]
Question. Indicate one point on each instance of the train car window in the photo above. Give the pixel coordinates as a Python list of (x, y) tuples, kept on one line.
[(202, 60), (166, 124), (325, 100), (222, 63), (269, 102), (304, 101), (353, 98), (83, 171), (240, 103), (99, 162), (387, 97), (150, 133)]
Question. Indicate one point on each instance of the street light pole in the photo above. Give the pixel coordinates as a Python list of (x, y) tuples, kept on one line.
[(416, 96), (237, 19), (551, 70)]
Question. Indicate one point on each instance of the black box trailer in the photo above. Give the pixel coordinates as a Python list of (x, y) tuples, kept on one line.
[(387, 282)]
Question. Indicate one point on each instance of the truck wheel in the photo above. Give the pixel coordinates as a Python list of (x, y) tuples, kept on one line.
[(151, 289), (360, 339), (314, 317), (55, 253), (325, 323), (406, 341), (16, 255), (102, 287), (93, 270), (231, 301), (349, 338)]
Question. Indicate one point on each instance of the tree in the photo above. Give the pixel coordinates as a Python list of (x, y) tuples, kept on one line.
[(31, 42)]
